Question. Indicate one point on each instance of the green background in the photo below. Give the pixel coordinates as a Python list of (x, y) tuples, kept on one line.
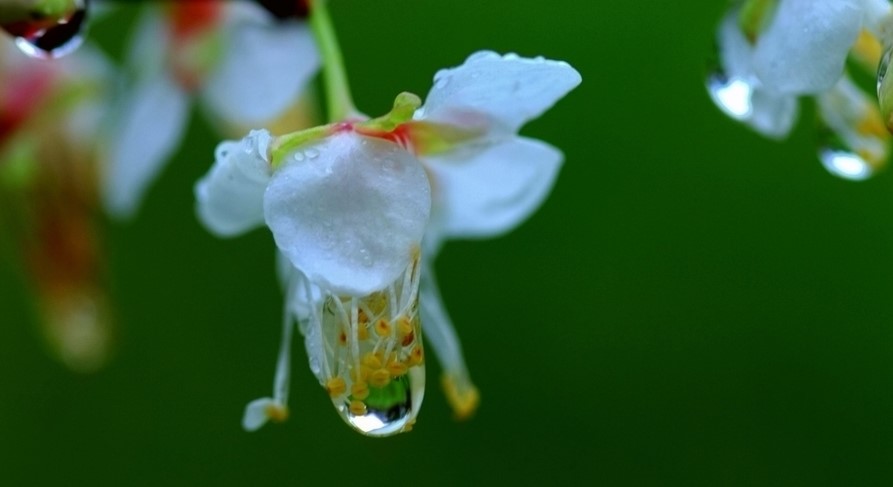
[(693, 305)]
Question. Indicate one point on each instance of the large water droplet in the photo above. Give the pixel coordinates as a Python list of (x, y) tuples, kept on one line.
[(50, 39), (731, 94), (845, 164), (882, 68)]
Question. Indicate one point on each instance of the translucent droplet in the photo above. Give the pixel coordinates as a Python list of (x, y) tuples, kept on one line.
[(298, 156), (50, 39), (732, 95), (375, 373), (845, 164), (312, 153)]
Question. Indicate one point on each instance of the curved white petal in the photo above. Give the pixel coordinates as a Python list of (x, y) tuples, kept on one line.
[(502, 92), (148, 46), (739, 93), (230, 198), (349, 212), (495, 190), (805, 46), (265, 69), (148, 129)]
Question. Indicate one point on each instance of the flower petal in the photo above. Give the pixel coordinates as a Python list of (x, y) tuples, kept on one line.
[(230, 197), (805, 46), (739, 93), (502, 92), (495, 190), (148, 130), (349, 212), (265, 69), (257, 413)]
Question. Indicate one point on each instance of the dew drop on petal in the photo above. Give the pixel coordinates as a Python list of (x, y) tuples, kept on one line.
[(312, 153), (845, 164), (882, 67), (299, 156), (441, 82), (50, 39), (732, 95)]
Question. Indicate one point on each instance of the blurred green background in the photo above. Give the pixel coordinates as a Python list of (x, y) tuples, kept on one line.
[(694, 305)]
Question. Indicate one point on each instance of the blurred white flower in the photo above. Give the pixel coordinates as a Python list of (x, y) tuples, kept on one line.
[(244, 65), (348, 205)]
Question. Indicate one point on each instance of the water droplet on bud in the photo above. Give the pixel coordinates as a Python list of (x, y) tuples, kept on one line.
[(50, 39)]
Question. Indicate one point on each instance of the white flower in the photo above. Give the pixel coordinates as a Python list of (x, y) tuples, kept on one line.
[(246, 68), (348, 205)]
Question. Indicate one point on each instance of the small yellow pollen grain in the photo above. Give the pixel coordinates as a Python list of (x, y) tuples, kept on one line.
[(404, 326), (372, 360), (463, 398), (357, 408), (382, 327), (359, 390), (277, 413), (336, 386), (380, 378), (417, 355), (397, 369), (362, 331)]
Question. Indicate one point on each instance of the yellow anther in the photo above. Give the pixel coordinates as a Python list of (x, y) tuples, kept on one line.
[(357, 408), (359, 390), (380, 378), (416, 356), (342, 338), (335, 386), (867, 50), (277, 413), (362, 331), (382, 327), (361, 317), (372, 360), (363, 373), (396, 368), (462, 395), (872, 124), (404, 326)]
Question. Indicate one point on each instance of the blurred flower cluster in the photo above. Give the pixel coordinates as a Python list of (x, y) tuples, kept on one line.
[(772, 53), (358, 206)]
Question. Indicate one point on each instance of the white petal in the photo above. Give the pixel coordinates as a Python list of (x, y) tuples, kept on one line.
[(148, 46), (148, 129), (495, 190), (265, 69), (350, 213), (805, 46), (230, 198), (256, 413), (498, 92)]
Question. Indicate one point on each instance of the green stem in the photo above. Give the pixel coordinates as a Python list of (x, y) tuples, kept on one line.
[(338, 100)]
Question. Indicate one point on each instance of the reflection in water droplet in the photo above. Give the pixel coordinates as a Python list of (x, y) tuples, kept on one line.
[(882, 68), (50, 39), (845, 164), (375, 367), (731, 95)]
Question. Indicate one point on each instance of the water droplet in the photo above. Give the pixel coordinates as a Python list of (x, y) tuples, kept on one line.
[(47, 39), (299, 156), (312, 153), (376, 353), (845, 164), (731, 94)]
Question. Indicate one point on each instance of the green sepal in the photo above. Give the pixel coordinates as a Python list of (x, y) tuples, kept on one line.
[(285, 144)]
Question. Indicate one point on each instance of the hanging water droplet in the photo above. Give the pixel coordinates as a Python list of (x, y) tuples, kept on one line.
[(845, 164), (732, 95), (50, 39), (375, 373)]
